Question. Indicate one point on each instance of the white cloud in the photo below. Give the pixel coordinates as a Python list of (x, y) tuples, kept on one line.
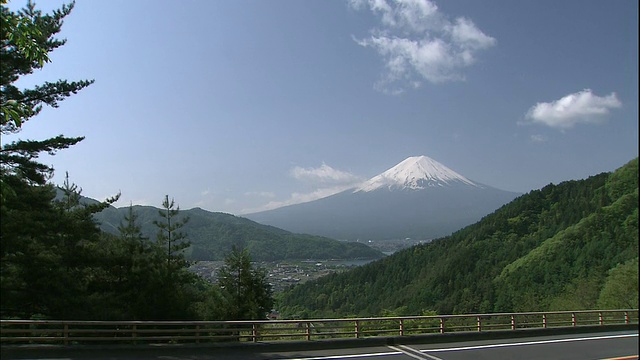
[(581, 107), (299, 198), (417, 43), (465, 33), (408, 15), (324, 174), (324, 181)]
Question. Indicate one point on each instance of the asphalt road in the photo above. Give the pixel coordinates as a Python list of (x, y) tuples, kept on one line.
[(604, 345)]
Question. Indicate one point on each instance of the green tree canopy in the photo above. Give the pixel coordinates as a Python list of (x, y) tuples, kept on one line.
[(246, 288), (620, 291), (169, 234)]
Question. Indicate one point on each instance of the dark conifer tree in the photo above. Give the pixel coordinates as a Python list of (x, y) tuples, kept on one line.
[(131, 232), (245, 287), (169, 234)]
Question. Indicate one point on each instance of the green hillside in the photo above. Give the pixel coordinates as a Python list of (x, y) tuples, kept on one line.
[(568, 246), (212, 235)]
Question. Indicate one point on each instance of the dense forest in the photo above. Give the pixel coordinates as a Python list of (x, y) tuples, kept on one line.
[(57, 264), (568, 246)]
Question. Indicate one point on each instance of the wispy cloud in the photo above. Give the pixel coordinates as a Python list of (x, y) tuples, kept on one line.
[(582, 107), (324, 181), (299, 198), (417, 42), (324, 174)]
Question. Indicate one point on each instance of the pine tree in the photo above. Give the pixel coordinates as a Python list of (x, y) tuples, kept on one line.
[(27, 38), (131, 232), (169, 234), (134, 262), (246, 288)]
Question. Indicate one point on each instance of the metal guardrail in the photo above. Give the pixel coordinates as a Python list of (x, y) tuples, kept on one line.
[(145, 332)]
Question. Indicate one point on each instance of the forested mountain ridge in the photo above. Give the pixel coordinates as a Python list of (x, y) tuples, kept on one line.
[(568, 246), (212, 235)]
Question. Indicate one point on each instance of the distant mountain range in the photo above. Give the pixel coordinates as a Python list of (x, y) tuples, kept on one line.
[(419, 198), (212, 234)]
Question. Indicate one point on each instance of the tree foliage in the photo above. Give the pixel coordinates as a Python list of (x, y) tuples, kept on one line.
[(27, 38), (620, 290), (48, 251), (169, 234), (245, 287)]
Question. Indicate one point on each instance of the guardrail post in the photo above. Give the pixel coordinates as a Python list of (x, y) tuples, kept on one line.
[(544, 321), (573, 320), (441, 325), (479, 323), (134, 333), (401, 327), (254, 332), (600, 318), (513, 322), (308, 331), (357, 322), (197, 334), (626, 317), (65, 334)]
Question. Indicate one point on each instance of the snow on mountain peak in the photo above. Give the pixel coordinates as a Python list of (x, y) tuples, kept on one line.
[(416, 173)]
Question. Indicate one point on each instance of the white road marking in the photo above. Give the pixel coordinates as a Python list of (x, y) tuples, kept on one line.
[(423, 353), (354, 356), (531, 343), (414, 353)]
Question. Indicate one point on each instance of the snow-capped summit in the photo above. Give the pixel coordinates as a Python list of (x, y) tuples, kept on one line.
[(415, 173)]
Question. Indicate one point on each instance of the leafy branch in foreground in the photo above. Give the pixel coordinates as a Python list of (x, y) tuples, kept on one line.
[(26, 39)]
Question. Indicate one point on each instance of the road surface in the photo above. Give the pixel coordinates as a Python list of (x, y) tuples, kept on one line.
[(604, 345)]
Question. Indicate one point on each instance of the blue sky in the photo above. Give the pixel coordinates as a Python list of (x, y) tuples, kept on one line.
[(237, 106)]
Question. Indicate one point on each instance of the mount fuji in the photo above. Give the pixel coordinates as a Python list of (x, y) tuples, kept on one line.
[(415, 173), (419, 198)]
